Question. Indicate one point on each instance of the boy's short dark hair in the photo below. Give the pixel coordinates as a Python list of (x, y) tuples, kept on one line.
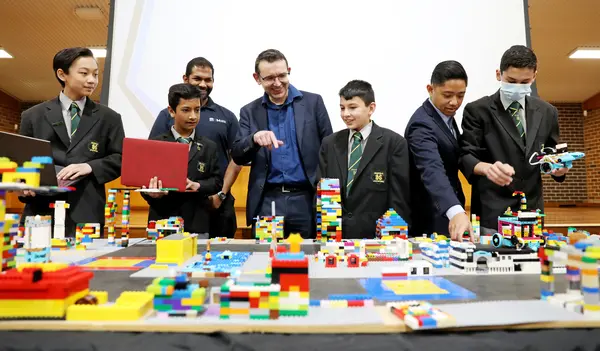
[(64, 60), (270, 55), (358, 88), (448, 70), (198, 62), (183, 91), (518, 56)]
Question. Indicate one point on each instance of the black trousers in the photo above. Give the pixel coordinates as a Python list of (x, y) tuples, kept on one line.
[(223, 222)]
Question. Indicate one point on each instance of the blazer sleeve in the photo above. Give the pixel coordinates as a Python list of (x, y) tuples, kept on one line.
[(472, 144), (159, 205), (244, 148), (161, 124), (323, 121), (554, 138), (399, 195), (214, 182), (423, 148), (108, 168)]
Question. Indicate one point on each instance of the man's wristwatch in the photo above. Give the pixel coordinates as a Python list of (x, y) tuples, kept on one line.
[(221, 195)]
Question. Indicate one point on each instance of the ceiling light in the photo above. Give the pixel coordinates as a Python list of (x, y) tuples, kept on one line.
[(99, 52), (586, 53), (89, 13), (4, 54)]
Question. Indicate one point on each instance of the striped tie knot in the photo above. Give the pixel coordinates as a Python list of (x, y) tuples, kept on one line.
[(184, 140)]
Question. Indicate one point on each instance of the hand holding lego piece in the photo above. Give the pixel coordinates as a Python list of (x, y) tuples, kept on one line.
[(156, 184), (74, 171), (267, 139), (460, 224), (499, 173), (559, 172)]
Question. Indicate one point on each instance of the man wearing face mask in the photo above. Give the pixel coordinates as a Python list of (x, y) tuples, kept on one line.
[(500, 132)]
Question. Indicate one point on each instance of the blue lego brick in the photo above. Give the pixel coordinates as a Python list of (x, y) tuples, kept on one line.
[(350, 297), (45, 160), (217, 264), (290, 256), (314, 303), (588, 290), (27, 170), (377, 289)]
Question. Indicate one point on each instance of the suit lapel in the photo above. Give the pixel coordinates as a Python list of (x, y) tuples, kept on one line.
[(506, 120), (440, 122), (194, 149), (299, 114), (55, 117), (533, 118), (374, 143), (89, 118), (341, 155), (262, 122)]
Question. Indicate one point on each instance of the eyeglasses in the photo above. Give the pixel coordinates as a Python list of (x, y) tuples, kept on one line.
[(283, 77)]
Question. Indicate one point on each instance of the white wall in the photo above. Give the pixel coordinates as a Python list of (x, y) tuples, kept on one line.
[(392, 44)]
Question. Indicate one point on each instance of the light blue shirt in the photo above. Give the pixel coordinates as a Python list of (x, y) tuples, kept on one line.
[(456, 209)]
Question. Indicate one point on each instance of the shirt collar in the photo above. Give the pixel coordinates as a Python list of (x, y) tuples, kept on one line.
[(177, 135), (210, 104), (444, 117), (66, 102), (365, 131), (293, 93), (506, 103)]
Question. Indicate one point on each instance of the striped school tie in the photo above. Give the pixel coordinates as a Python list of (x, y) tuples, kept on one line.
[(75, 117), (184, 140), (355, 156), (514, 109)]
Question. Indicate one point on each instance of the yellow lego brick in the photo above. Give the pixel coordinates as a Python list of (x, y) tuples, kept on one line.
[(199, 293), (192, 302), (546, 278), (102, 296), (46, 267), (31, 179), (304, 294), (239, 311), (592, 308), (29, 164), (254, 294), (130, 306), (263, 305), (38, 308)]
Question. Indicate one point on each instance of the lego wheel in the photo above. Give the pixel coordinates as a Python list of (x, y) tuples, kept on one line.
[(497, 240), (516, 242)]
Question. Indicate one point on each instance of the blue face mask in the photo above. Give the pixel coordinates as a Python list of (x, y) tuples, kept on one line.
[(515, 92)]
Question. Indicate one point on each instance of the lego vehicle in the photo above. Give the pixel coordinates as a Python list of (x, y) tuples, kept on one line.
[(550, 159), (534, 243)]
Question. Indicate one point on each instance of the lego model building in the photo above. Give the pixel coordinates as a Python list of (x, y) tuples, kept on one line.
[(438, 253), (269, 227), (8, 236), (517, 229), (391, 224), (109, 215), (177, 297), (329, 210), (283, 290), (582, 259), (164, 227), (85, 233), (42, 290), (421, 315), (175, 249), (130, 306), (60, 209), (38, 238), (29, 173)]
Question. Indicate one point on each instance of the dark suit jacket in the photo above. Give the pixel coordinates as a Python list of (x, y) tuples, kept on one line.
[(312, 125), (490, 135), (434, 166), (381, 181), (203, 167), (97, 142)]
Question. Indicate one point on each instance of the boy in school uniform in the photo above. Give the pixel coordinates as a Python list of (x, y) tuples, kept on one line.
[(86, 139), (204, 176), (371, 162)]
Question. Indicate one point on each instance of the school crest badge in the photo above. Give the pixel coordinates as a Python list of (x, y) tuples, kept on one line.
[(378, 177), (201, 167), (93, 146)]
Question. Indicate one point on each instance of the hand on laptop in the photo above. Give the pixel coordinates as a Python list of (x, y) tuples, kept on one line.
[(155, 183), (192, 186), (74, 171)]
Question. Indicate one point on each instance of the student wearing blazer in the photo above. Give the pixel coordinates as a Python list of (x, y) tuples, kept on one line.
[(86, 139), (500, 133), (204, 175), (370, 161), (437, 197)]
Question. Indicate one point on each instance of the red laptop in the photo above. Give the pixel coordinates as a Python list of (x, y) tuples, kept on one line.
[(144, 159)]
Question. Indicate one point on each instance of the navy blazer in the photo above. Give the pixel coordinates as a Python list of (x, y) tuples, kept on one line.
[(434, 163), (312, 125)]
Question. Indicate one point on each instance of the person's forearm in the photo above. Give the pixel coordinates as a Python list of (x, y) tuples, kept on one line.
[(481, 168), (231, 174)]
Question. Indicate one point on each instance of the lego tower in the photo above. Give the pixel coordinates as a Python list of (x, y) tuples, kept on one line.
[(8, 234), (60, 209), (109, 215), (329, 210)]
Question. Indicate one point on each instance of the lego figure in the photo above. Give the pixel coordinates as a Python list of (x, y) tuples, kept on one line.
[(204, 177), (370, 161)]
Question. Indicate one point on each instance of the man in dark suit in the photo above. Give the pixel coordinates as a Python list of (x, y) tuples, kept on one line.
[(432, 134), (371, 163), (280, 134), (500, 133), (204, 176), (86, 139)]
